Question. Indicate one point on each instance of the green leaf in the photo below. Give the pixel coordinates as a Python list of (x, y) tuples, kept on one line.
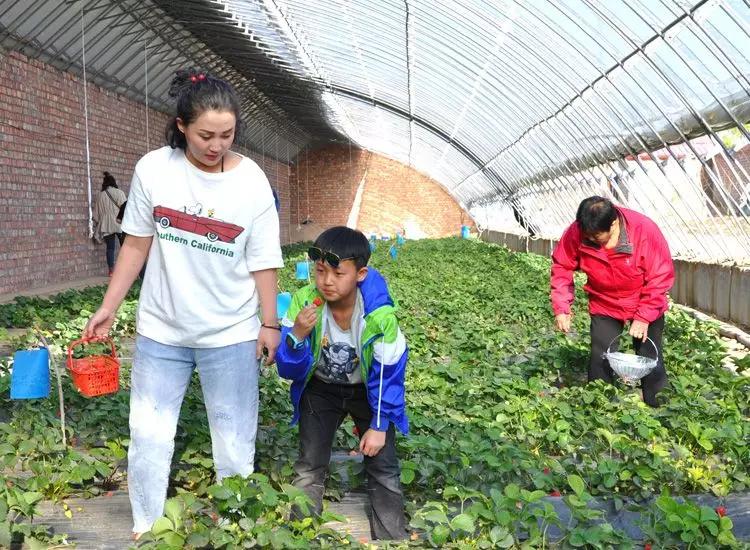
[(162, 525), (5, 537), (726, 538), (687, 536), (463, 522), (173, 510), (666, 504), (577, 484), (712, 527), (725, 524), (503, 517), (407, 476), (439, 535), (512, 491), (501, 538), (674, 523), (219, 492), (577, 539), (3, 510), (436, 516), (174, 539), (198, 540), (535, 496), (593, 536), (708, 514), (32, 497), (645, 473)]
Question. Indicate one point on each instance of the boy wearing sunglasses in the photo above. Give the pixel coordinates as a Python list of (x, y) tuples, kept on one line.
[(345, 354)]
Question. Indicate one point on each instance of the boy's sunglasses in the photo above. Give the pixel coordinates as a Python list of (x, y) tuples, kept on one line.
[(316, 254)]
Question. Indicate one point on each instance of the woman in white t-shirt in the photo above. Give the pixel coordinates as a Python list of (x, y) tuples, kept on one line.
[(206, 219)]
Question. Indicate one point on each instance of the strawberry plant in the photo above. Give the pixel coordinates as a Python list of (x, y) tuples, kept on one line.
[(501, 418)]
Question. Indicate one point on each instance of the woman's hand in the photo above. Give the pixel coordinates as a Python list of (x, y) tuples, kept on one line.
[(100, 323), (639, 330), (268, 340), (562, 322)]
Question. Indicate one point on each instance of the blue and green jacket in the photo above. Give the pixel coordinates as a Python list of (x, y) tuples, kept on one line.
[(381, 349)]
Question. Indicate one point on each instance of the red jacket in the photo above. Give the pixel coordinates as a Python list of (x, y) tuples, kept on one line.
[(631, 283)]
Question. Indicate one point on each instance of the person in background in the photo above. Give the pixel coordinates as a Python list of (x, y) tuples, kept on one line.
[(629, 269), (106, 208)]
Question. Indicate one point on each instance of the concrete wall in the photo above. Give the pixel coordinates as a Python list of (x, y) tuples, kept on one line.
[(721, 291)]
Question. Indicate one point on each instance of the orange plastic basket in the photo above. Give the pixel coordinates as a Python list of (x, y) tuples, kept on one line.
[(96, 374)]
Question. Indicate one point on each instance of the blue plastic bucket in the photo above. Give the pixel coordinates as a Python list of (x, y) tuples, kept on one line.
[(303, 271), (283, 301), (400, 240), (393, 251), (465, 232), (30, 376)]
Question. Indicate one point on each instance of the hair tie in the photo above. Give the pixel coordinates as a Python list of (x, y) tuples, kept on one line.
[(193, 79), (201, 76)]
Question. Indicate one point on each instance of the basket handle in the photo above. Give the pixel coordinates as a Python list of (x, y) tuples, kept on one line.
[(91, 340), (647, 338)]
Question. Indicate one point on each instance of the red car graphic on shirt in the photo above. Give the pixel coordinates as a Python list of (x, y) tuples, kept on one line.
[(212, 229)]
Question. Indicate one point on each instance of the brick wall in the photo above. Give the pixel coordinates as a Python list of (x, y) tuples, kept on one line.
[(325, 183), (43, 189)]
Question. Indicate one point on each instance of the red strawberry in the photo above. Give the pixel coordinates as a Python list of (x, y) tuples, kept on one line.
[(555, 493), (721, 510), (647, 546), (109, 494), (317, 302), (355, 431), (546, 470)]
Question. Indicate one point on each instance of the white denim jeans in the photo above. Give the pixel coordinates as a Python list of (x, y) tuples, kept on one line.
[(159, 380)]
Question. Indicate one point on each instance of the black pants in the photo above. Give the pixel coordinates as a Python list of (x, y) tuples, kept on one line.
[(603, 330), (110, 241), (322, 410)]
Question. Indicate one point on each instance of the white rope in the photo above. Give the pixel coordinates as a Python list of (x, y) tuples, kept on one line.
[(86, 121), (145, 68), (307, 186), (61, 400)]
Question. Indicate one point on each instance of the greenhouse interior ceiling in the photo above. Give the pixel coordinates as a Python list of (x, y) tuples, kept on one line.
[(519, 109)]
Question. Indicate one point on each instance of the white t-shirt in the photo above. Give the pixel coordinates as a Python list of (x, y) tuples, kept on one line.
[(339, 362), (211, 231)]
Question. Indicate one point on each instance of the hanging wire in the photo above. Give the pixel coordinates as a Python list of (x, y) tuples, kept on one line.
[(86, 122), (145, 72), (307, 186)]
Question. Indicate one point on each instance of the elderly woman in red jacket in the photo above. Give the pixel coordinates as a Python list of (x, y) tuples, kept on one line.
[(629, 272)]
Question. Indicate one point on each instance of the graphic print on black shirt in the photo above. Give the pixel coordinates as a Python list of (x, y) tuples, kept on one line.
[(338, 361)]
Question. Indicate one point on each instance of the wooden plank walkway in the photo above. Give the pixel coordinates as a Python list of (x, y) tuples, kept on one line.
[(104, 522)]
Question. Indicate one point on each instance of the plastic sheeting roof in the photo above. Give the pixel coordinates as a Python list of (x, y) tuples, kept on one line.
[(504, 101)]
